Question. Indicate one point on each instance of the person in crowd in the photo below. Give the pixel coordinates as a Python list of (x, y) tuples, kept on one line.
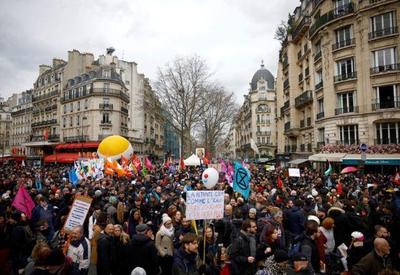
[(357, 249), (185, 258), (142, 251), (44, 211), (121, 250), (135, 218), (309, 246), (164, 244), (79, 251), (106, 251), (243, 251)]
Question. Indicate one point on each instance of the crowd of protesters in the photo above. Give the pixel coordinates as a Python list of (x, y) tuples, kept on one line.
[(349, 224)]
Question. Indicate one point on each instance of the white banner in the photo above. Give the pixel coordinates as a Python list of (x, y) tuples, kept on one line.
[(294, 172), (204, 205), (78, 212)]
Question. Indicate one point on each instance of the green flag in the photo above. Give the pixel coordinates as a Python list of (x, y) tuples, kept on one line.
[(329, 171)]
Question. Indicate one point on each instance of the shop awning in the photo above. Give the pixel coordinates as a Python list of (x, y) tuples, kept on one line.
[(333, 157), (297, 161), (62, 157), (372, 159)]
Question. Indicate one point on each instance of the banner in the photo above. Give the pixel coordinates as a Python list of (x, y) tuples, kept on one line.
[(294, 172), (78, 212), (241, 180), (23, 201), (217, 166), (204, 205)]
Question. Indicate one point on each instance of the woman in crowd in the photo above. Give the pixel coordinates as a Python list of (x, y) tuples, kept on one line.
[(164, 244), (121, 244)]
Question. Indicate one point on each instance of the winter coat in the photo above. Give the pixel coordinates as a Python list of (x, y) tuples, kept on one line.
[(240, 251), (294, 220), (164, 244), (105, 254), (310, 250), (142, 252), (184, 263), (371, 264)]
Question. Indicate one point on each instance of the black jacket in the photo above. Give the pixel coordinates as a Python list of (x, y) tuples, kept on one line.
[(142, 252), (105, 254), (239, 253), (184, 263)]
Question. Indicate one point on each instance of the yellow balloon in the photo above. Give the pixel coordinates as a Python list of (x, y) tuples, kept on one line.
[(114, 147)]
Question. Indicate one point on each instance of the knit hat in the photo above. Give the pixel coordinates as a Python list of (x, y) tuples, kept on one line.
[(141, 228), (165, 218), (357, 235), (313, 218)]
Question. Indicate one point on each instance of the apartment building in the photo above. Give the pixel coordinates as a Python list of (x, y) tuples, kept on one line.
[(338, 78), (5, 128)]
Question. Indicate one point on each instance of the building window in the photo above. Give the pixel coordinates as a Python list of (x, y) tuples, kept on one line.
[(386, 97), (78, 105), (320, 104), (345, 69), (348, 134), (106, 73), (86, 103), (345, 103), (263, 140), (344, 37), (382, 24), (78, 120), (384, 58), (71, 121), (71, 107), (106, 87), (65, 108), (258, 139), (64, 122), (318, 77), (388, 133), (106, 118), (321, 135)]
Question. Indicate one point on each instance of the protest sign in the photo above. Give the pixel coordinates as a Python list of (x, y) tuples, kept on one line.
[(78, 212), (294, 172), (202, 205)]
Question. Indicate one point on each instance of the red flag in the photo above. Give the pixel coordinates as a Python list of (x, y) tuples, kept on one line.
[(166, 163), (280, 183), (339, 188), (124, 161), (181, 164), (206, 161), (46, 134), (148, 164), (23, 201)]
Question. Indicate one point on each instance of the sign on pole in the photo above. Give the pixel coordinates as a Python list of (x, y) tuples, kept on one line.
[(78, 212), (202, 205), (363, 147), (294, 172)]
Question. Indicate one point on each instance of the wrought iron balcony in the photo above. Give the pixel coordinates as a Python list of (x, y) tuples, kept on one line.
[(99, 92), (379, 105), (343, 43), (383, 32), (301, 28), (263, 133), (45, 96), (331, 15), (50, 108), (105, 123), (54, 138), (320, 115), (43, 123), (124, 110), (300, 77), (343, 77), (319, 85), (106, 106), (286, 84), (317, 56), (385, 68), (285, 107), (303, 99), (345, 110)]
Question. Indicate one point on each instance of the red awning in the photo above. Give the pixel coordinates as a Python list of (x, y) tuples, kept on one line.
[(62, 157)]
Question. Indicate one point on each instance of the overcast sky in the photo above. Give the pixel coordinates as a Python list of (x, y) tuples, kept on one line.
[(233, 36)]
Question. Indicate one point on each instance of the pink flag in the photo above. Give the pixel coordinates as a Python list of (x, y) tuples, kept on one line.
[(148, 164), (223, 167), (23, 202)]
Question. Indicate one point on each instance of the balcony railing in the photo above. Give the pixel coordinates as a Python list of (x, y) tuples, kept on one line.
[(124, 110), (320, 115), (50, 108), (303, 99), (351, 109), (99, 92), (343, 77), (105, 123), (300, 77), (343, 43), (319, 86), (385, 68), (76, 138), (285, 106), (263, 133), (383, 32), (286, 84), (301, 28), (331, 15), (317, 56), (54, 137), (106, 106), (43, 123), (378, 104), (45, 96), (386, 141), (287, 126)]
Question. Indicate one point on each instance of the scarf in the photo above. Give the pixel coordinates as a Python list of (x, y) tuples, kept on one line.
[(82, 241), (167, 232), (252, 242)]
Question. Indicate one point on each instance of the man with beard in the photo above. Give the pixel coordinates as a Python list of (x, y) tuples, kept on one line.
[(243, 250), (185, 256), (106, 251)]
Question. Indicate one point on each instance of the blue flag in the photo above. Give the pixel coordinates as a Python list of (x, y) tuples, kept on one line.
[(73, 178), (241, 180)]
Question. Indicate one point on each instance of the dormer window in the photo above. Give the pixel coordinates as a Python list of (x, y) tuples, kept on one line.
[(106, 73)]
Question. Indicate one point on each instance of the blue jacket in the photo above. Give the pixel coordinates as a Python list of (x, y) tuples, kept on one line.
[(294, 220)]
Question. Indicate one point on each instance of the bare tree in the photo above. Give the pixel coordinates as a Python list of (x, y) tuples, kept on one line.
[(182, 88), (217, 117)]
